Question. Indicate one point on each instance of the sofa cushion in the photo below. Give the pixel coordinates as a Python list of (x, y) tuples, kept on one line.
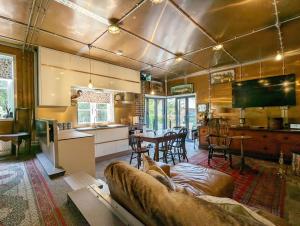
[(148, 162), (153, 204), (160, 175), (200, 180)]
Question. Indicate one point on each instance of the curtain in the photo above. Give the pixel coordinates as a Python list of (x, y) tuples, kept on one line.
[(95, 97)]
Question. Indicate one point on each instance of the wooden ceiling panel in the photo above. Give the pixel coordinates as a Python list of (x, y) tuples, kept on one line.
[(132, 47), (12, 30), (160, 74), (18, 10), (107, 8), (290, 34), (65, 21), (165, 26), (51, 41), (227, 19), (288, 9), (209, 58), (182, 67), (115, 59), (256, 46)]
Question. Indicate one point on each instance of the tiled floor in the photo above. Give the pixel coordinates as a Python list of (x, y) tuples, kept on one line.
[(101, 165)]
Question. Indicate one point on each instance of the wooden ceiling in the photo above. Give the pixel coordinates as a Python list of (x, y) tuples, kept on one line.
[(152, 35)]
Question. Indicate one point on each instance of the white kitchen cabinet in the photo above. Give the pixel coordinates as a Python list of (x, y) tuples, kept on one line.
[(110, 140), (54, 88), (59, 71)]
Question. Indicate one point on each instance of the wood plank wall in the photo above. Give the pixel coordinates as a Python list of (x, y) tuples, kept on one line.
[(221, 94), (25, 81)]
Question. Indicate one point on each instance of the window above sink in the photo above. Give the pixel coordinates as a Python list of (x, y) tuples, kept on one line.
[(95, 107)]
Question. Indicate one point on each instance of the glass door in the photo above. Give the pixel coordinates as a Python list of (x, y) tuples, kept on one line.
[(171, 112), (155, 113), (181, 112)]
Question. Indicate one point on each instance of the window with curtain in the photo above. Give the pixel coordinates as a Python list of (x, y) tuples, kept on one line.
[(6, 86), (95, 107)]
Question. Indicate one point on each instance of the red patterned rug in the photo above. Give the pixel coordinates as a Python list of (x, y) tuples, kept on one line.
[(25, 197), (259, 186)]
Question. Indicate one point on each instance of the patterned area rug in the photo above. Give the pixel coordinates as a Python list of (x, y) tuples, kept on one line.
[(259, 186), (28, 197)]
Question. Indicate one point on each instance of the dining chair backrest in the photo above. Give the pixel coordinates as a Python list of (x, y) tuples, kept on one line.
[(219, 128), (133, 142), (169, 139), (22, 120)]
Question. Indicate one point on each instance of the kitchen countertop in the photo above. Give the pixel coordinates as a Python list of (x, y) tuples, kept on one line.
[(101, 127), (72, 134)]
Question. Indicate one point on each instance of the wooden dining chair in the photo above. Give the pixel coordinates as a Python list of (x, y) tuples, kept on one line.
[(218, 139), (179, 144), (137, 150), (167, 146)]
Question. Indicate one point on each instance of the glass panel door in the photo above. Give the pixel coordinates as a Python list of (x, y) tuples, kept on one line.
[(151, 113), (160, 114), (171, 113), (155, 113), (181, 112), (191, 112)]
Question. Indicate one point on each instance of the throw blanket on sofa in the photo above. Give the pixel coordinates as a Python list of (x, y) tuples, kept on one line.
[(235, 207)]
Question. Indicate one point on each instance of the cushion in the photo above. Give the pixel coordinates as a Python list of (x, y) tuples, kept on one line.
[(159, 175), (201, 180), (150, 162)]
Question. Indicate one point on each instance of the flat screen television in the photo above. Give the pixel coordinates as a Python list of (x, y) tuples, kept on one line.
[(264, 92)]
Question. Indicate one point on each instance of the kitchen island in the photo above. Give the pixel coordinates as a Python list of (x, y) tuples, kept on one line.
[(76, 152), (110, 140)]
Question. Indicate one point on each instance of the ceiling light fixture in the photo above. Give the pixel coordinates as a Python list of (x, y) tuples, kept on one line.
[(90, 85), (114, 29), (278, 56), (157, 1), (218, 47), (119, 52), (179, 57)]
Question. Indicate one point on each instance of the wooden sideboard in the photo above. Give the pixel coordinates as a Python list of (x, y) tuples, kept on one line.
[(266, 144)]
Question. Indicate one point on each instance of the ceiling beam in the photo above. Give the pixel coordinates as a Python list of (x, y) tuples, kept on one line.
[(29, 23)]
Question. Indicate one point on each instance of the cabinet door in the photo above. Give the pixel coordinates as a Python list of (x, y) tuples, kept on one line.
[(54, 89)]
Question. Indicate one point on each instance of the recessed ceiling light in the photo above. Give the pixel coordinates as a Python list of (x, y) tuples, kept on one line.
[(178, 58), (157, 1), (278, 57), (119, 52), (114, 29), (218, 47)]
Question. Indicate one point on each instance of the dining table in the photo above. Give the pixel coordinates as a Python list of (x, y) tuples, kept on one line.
[(155, 137)]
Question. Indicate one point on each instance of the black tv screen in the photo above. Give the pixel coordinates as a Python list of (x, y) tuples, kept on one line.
[(264, 92)]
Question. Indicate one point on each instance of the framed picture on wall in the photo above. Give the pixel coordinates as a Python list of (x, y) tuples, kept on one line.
[(182, 89), (202, 108), (222, 77)]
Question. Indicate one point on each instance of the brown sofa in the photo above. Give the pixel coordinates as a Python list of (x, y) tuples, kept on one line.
[(153, 203)]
